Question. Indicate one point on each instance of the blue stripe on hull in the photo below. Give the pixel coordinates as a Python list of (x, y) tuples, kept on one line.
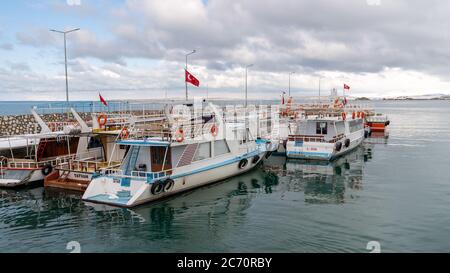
[(309, 155)]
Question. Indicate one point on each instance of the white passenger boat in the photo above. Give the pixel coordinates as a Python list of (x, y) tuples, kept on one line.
[(103, 152), (49, 150), (325, 137), (178, 155), (19, 145)]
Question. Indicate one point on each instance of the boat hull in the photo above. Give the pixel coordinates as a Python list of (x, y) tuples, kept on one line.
[(107, 188), (377, 126), (322, 150), (12, 178), (72, 180)]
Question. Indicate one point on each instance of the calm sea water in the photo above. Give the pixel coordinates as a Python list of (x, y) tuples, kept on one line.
[(395, 191)]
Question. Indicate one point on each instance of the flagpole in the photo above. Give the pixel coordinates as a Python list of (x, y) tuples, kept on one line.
[(185, 71)]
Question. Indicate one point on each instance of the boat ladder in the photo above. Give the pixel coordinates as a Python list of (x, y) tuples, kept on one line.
[(133, 159), (188, 155), (41, 149)]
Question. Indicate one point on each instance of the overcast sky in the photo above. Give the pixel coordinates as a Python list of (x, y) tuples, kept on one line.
[(132, 49)]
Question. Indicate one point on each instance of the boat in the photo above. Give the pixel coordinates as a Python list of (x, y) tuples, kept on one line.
[(177, 155), (377, 122), (103, 152), (49, 150), (326, 136), (20, 145)]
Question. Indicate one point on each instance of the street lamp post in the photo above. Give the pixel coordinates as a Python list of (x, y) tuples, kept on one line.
[(290, 73), (246, 82), (320, 79), (192, 52), (65, 57)]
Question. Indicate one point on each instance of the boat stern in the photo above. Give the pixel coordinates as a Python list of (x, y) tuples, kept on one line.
[(309, 150)]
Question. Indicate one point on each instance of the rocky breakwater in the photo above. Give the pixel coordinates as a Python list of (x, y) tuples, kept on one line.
[(18, 125), (26, 124)]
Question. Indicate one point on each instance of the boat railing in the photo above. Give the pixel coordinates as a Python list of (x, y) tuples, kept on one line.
[(39, 164), (168, 132), (93, 159), (54, 162), (139, 175), (315, 138), (87, 166), (376, 119)]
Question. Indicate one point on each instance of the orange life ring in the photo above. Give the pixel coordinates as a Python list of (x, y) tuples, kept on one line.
[(179, 135), (353, 115), (124, 134), (214, 130), (359, 114), (344, 116), (363, 114), (102, 120)]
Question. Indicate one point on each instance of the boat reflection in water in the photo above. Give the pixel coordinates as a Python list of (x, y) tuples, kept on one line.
[(378, 137), (323, 182)]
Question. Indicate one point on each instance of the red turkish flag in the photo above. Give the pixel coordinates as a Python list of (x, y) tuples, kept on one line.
[(191, 79), (346, 87), (102, 100)]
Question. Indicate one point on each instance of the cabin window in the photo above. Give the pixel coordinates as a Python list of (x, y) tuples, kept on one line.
[(95, 142), (355, 125), (157, 155), (321, 128), (123, 147), (203, 151), (221, 147)]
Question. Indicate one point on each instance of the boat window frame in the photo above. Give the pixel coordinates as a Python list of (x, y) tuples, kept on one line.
[(194, 159)]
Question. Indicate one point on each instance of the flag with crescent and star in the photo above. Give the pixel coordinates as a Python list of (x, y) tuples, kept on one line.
[(346, 87), (191, 79)]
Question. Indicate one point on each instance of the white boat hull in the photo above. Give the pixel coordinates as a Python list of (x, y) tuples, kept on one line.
[(105, 189), (12, 178), (322, 150)]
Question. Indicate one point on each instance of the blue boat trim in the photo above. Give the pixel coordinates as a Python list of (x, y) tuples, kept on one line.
[(105, 198), (308, 154), (145, 142)]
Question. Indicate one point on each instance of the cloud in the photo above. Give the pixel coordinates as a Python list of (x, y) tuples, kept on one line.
[(7, 46), (350, 40), (19, 66)]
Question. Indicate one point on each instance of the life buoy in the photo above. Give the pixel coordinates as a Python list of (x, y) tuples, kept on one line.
[(363, 114), (338, 146), (168, 185), (214, 130), (243, 163), (344, 116), (102, 120), (47, 170), (353, 115), (359, 114), (256, 159), (179, 135), (157, 188), (347, 143), (124, 134)]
